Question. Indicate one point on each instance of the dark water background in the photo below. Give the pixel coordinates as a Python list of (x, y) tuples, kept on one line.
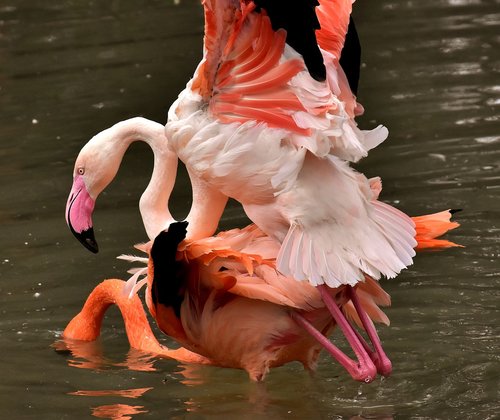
[(69, 69)]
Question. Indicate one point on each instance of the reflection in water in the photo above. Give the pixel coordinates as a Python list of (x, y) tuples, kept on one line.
[(192, 375), (89, 355), (117, 411), (125, 393), (205, 390), (430, 74)]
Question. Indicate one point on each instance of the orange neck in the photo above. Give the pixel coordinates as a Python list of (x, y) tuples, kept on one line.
[(87, 324)]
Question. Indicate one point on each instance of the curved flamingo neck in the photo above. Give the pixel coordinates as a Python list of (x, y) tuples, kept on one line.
[(87, 324), (154, 201), (208, 203), (153, 204), (106, 151)]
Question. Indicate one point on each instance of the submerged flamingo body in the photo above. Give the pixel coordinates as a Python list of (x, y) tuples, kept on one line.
[(235, 309)]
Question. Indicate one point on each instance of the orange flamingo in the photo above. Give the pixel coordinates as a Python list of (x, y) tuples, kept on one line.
[(231, 308), (218, 299)]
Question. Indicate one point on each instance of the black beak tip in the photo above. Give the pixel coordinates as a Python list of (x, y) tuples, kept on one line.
[(87, 239), (91, 245)]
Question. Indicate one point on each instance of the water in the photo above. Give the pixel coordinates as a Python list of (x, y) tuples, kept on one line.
[(72, 68)]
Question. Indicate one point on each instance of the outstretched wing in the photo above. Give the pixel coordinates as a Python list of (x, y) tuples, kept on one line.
[(252, 82), (262, 63), (262, 60)]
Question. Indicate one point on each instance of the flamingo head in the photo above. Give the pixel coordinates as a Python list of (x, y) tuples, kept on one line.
[(95, 168)]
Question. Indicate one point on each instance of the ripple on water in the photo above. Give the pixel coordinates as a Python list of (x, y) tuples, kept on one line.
[(72, 68)]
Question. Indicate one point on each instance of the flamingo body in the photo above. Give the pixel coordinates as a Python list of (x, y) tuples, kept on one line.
[(241, 316), (256, 125), (234, 308)]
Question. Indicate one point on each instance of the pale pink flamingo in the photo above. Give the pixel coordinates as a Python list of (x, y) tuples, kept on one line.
[(268, 119), (237, 271), (99, 161)]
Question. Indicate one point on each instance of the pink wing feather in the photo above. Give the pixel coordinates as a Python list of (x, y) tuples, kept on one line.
[(333, 16), (252, 80)]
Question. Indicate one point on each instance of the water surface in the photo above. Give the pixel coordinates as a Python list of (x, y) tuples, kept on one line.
[(69, 69)]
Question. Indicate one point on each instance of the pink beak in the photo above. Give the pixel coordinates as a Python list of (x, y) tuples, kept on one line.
[(79, 210)]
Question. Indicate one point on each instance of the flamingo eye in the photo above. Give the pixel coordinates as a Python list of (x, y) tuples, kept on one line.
[(80, 171)]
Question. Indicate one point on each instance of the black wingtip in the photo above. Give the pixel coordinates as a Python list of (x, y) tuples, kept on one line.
[(453, 211), (350, 57), (166, 243), (299, 20), (168, 274), (178, 231)]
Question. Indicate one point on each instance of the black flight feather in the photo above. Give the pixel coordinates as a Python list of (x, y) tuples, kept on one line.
[(169, 275), (350, 57), (299, 19)]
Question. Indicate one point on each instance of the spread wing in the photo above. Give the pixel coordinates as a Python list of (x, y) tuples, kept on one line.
[(263, 62)]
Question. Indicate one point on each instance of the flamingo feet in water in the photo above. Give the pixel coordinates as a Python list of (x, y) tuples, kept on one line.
[(370, 362)]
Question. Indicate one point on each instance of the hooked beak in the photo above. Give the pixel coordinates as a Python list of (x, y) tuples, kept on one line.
[(79, 210)]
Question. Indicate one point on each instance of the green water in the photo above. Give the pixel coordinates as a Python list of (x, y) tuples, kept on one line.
[(69, 69)]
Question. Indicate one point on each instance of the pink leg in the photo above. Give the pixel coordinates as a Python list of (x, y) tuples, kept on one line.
[(331, 348), (382, 362), (364, 370)]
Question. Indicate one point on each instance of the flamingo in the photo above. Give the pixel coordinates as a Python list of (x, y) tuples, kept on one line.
[(236, 271), (232, 315), (223, 298), (268, 120), (98, 163)]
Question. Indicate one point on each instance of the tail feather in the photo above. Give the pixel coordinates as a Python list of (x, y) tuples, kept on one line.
[(371, 309), (168, 273), (374, 289), (430, 226)]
